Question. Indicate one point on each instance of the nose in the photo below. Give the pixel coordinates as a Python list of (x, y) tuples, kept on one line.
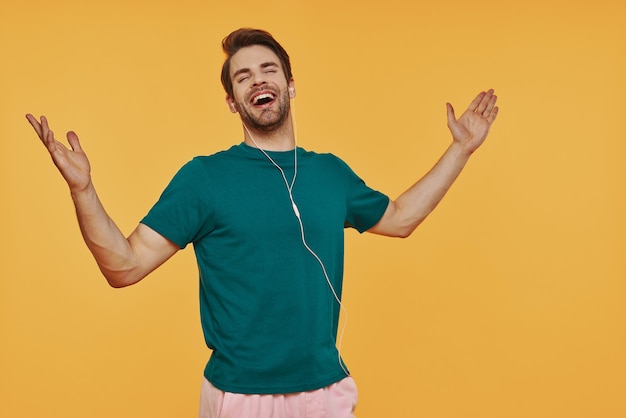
[(258, 79)]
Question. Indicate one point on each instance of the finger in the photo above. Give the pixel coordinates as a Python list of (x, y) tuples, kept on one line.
[(493, 114), (50, 142), (491, 104), (484, 102), (450, 112), (474, 105), (72, 138), (44, 128), (35, 124)]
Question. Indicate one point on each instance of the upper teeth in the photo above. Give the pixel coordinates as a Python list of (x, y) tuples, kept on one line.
[(263, 96)]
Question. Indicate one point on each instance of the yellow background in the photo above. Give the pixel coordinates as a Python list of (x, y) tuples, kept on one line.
[(509, 301)]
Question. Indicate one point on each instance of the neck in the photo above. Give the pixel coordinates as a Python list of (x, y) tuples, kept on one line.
[(280, 139)]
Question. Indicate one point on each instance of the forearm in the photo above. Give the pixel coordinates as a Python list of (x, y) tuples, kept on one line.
[(405, 213), (110, 248), (424, 196)]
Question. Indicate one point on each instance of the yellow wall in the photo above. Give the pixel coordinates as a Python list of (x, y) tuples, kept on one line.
[(508, 302)]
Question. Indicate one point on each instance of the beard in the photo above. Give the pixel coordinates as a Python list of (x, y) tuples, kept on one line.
[(270, 119)]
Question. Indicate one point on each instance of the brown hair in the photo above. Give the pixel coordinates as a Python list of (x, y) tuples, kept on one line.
[(247, 37)]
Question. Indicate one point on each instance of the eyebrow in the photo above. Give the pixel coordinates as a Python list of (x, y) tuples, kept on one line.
[(247, 70)]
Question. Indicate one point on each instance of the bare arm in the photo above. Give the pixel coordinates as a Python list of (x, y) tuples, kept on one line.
[(123, 261), (405, 213)]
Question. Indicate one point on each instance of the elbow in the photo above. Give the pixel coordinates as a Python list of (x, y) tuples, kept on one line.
[(405, 232), (118, 280), (402, 221), (396, 232), (399, 229), (405, 229), (117, 284)]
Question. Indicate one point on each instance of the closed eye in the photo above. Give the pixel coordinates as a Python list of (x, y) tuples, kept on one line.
[(269, 67)]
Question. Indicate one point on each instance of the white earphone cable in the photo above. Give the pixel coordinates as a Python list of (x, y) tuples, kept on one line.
[(302, 235)]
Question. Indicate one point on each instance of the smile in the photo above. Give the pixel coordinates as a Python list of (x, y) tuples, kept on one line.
[(262, 99)]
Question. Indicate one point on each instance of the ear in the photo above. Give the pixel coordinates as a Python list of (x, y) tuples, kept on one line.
[(231, 104), (292, 89)]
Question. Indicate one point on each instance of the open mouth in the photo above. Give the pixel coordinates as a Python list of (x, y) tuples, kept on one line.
[(263, 99)]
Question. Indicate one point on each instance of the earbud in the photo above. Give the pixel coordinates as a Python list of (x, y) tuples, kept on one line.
[(292, 92)]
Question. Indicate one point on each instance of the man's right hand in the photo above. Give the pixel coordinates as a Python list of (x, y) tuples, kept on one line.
[(73, 164)]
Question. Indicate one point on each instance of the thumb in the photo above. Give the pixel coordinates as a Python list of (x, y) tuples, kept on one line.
[(72, 138), (451, 116)]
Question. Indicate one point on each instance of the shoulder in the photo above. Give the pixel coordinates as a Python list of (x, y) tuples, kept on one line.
[(231, 153), (324, 158), (207, 163)]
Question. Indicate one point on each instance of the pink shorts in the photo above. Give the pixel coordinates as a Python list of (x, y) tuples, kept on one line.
[(335, 401)]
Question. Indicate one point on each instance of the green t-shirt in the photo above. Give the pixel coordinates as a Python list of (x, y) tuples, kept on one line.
[(267, 311)]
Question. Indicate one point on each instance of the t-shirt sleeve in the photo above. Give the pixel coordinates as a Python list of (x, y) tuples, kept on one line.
[(365, 206), (182, 214)]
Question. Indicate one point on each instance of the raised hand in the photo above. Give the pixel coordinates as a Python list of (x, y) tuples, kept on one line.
[(72, 163), (471, 129)]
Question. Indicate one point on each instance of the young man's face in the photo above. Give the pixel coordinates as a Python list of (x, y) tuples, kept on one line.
[(261, 91)]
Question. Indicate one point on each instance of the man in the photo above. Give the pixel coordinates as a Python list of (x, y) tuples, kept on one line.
[(266, 219)]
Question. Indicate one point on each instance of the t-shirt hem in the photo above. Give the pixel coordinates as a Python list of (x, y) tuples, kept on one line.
[(277, 390)]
